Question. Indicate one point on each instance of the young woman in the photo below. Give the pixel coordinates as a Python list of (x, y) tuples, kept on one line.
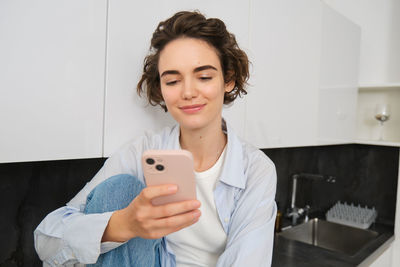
[(195, 66)]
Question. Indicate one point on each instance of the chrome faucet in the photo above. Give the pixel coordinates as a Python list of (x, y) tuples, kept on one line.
[(294, 212)]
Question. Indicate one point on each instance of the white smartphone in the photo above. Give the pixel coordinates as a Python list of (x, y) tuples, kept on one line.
[(170, 167)]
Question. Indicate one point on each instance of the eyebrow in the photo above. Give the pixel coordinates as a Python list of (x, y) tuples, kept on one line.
[(201, 68)]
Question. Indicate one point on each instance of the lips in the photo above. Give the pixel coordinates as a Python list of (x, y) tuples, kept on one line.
[(191, 109)]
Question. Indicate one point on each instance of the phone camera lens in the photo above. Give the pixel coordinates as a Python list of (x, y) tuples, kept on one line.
[(159, 167), (150, 161)]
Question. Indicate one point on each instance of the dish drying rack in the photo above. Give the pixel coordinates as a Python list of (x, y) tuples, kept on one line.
[(351, 215)]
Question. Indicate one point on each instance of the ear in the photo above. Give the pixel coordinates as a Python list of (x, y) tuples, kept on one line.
[(229, 86)]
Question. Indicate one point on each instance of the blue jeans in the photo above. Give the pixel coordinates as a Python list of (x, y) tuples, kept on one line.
[(113, 194)]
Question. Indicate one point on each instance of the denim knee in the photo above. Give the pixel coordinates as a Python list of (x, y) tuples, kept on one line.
[(113, 194)]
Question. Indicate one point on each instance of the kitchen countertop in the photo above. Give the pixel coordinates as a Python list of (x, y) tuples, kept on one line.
[(289, 253)]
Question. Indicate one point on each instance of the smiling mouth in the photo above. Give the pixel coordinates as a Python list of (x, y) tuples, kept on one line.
[(192, 108)]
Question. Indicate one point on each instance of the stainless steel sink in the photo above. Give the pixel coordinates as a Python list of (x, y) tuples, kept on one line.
[(329, 235)]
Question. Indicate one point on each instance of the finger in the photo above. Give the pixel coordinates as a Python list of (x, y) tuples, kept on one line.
[(156, 234), (150, 192), (176, 208), (178, 221), (184, 225)]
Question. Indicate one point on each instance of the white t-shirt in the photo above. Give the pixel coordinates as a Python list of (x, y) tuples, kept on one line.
[(202, 243)]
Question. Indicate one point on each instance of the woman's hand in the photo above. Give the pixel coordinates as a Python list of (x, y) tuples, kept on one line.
[(142, 219)]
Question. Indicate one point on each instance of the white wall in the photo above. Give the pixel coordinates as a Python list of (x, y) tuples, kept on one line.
[(368, 128)]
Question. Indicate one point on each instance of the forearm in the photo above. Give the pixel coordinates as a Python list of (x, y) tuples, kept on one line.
[(115, 230)]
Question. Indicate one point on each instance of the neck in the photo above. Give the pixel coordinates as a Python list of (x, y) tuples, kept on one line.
[(206, 145)]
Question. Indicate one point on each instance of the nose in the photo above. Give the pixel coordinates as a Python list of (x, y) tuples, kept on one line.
[(189, 89)]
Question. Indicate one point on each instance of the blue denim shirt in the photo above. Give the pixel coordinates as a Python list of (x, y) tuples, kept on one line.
[(244, 198)]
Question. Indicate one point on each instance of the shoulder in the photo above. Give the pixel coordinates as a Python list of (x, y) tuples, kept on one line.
[(163, 139), (251, 165), (259, 168), (255, 158), (128, 157)]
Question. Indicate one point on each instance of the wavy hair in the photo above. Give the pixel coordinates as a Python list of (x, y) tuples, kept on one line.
[(234, 61)]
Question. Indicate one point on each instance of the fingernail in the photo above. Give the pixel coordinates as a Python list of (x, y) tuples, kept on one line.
[(197, 214), (172, 188), (195, 204)]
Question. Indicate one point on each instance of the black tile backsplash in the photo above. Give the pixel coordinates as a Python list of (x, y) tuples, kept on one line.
[(365, 175), (30, 190)]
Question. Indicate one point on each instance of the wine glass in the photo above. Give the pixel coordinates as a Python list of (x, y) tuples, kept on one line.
[(382, 114)]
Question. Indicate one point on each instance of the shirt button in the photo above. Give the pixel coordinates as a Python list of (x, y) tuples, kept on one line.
[(226, 220)]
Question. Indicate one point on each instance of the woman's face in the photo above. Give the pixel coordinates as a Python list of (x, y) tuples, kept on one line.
[(192, 83)]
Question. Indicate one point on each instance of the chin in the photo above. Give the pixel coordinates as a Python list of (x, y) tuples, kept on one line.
[(192, 124)]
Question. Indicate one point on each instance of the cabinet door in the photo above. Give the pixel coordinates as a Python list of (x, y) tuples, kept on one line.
[(379, 52), (385, 259), (338, 78), (130, 29), (337, 115), (283, 100), (51, 79)]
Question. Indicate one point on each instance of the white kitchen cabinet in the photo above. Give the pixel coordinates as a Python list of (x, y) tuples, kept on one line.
[(304, 84), (379, 65), (395, 254), (385, 259), (285, 44), (51, 79), (338, 84), (129, 32), (337, 115), (57, 60), (380, 41)]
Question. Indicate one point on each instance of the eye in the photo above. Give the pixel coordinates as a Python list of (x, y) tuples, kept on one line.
[(171, 82), (205, 78)]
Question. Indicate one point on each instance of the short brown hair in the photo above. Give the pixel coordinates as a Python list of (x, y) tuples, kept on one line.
[(234, 61)]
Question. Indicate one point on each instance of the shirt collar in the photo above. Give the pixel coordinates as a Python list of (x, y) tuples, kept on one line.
[(233, 169)]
